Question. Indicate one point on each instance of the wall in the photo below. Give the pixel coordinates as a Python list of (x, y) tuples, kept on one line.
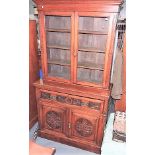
[(31, 9)]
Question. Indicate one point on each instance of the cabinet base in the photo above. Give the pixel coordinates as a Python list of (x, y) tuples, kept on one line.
[(71, 142)]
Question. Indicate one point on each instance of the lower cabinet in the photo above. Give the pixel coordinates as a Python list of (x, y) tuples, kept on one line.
[(79, 126)]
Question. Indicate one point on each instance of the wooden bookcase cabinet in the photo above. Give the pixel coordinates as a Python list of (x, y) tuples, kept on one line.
[(76, 52)]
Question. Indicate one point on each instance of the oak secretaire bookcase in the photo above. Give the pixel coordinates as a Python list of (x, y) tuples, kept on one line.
[(77, 38)]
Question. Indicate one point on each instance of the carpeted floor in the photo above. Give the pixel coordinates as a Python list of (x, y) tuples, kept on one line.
[(109, 147)]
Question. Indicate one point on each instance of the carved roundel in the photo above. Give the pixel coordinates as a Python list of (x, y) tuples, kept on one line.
[(84, 127), (53, 120)]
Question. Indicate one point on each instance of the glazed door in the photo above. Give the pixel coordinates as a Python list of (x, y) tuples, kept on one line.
[(57, 45), (77, 47), (92, 46)]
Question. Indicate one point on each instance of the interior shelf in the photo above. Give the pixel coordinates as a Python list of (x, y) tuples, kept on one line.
[(92, 32), (91, 50), (90, 80), (59, 62), (91, 66), (60, 75), (58, 30), (58, 47)]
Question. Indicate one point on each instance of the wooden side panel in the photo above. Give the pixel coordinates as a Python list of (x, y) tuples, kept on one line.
[(120, 105), (109, 51), (33, 72), (43, 43)]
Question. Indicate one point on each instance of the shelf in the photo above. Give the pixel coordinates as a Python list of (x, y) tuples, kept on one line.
[(58, 47), (60, 75), (59, 62), (89, 80), (92, 32), (90, 66), (91, 50), (59, 30)]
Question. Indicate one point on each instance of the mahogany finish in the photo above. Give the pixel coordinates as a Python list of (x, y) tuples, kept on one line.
[(77, 40), (33, 72)]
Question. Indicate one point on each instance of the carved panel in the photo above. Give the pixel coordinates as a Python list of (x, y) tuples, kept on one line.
[(45, 95), (60, 98), (53, 119), (77, 102), (94, 105), (70, 100), (84, 127), (48, 96)]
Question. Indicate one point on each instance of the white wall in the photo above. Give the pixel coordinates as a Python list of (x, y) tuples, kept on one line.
[(31, 10)]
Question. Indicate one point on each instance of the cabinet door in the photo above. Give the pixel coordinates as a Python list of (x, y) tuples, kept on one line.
[(54, 119), (57, 43), (93, 40), (84, 126)]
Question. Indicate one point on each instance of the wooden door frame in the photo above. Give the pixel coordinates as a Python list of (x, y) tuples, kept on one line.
[(108, 51), (42, 15)]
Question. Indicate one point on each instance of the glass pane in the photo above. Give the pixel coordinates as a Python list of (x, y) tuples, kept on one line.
[(58, 22), (93, 32), (58, 38), (59, 71), (93, 76), (92, 42), (94, 24), (91, 60), (59, 55)]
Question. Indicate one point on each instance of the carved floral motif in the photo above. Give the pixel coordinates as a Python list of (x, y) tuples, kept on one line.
[(70, 100), (53, 120), (84, 127)]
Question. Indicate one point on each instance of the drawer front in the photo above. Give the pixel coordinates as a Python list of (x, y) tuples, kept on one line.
[(77, 101)]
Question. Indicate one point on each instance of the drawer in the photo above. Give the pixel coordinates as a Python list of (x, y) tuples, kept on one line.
[(76, 101)]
